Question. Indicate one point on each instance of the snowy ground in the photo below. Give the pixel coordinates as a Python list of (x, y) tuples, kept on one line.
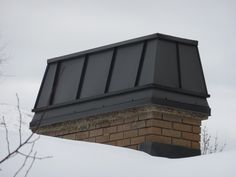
[(76, 158)]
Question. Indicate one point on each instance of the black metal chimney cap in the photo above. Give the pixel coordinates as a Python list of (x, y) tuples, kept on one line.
[(154, 69)]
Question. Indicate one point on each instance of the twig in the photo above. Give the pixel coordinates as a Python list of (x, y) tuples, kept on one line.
[(38, 158), (16, 150), (28, 140), (23, 143), (31, 164), (26, 158), (7, 139), (20, 116), (32, 141)]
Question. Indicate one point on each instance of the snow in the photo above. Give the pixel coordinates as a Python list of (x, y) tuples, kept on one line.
[(77, 158)]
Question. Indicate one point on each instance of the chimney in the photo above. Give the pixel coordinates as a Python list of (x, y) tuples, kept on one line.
[(147, 94)]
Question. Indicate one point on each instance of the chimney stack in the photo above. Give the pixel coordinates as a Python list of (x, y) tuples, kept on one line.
[(147, 94)]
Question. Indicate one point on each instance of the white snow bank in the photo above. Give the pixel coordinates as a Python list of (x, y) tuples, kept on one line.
[(76, 158)]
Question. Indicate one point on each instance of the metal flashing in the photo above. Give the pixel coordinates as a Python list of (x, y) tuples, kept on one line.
[(160, 69)]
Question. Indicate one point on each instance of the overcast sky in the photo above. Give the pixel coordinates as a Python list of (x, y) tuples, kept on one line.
[(33, 31)]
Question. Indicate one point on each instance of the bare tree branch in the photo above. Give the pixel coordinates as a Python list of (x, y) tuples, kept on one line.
[(31, 164), (32, 157), (32, 141), (210, 144), (20, 117), (28, 141), (7, 138), (17, 149), (25, 160)]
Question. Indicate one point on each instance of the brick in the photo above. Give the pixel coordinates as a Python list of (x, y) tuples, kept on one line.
[(109, 130), (96, 132), (102, 139), (91, 125), (124, 127), (51, 133), (82, 126), (137, 140), (113, 143), (191, 136), (81, 135), (69, 136), (159, 139), (135, 147), (150, 115), (131, 133), (117, 121), (195, 145), (196, 129), (61, 132), (103, 123), (172, 117), (192, 121), (124, 142), (182, 127), (90, 139), (133, 118), (172, 133), (159, 123), (116, 136), (150, 130), (138, 124), (181, 142)]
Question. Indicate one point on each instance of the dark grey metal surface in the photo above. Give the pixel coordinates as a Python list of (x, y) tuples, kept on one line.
[(131, 73), (125, 67), (168, 150), (94, 79)]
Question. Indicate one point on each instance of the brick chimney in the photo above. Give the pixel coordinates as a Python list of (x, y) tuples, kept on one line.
[(147, 94)]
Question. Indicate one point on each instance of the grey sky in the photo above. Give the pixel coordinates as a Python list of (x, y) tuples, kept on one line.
[(34, 31)]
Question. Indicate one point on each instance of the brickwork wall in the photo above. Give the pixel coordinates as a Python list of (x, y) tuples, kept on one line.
[(132, 127)]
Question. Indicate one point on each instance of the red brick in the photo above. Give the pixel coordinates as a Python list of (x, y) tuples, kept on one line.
[(195, 145), (150, 130), (131, 133), (102, 139), (150, 115), (182, 127), (109, 130), (181, 142), (133, 118), (138, 124), (116, 136), (104, 123), (192, 121), (137, 140), (113, 143), (117, 121), (81, 135), (159, 123), (124, 127), (172, 133), (124, 142), (51, 133), (191, 136), (96, 132), (172, 117), (196, 129), (70, 136), (90, 139)]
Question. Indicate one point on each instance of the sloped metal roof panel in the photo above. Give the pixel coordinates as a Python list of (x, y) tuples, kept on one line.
[(154, 69)]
